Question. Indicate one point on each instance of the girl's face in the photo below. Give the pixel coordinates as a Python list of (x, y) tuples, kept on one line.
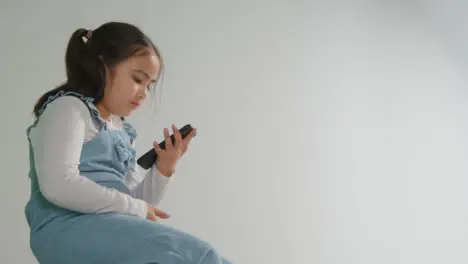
[(128, 84)]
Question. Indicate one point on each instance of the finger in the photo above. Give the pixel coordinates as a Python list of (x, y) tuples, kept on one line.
[(152, 217), (156, 147), (177, 137), (167, 138), (161, 213)]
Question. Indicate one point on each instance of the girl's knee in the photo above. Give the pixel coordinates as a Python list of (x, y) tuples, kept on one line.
[(213, 257)]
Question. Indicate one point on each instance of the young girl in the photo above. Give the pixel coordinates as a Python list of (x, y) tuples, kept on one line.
[(88, 204)]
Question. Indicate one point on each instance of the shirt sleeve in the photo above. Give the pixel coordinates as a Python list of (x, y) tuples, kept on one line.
[(151, 188), (57, 140)]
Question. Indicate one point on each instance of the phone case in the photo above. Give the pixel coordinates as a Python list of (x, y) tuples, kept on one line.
[(147, 160)]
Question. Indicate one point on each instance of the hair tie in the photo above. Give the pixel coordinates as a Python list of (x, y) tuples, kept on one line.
[(89, 34)]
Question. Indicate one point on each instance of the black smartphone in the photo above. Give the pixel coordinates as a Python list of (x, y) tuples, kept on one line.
[(148, 159)]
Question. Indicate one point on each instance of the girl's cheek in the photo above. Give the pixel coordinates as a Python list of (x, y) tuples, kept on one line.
[(135, 87)]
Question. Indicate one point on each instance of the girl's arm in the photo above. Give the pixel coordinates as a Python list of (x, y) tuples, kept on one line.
[(151, 188), (57, 141)]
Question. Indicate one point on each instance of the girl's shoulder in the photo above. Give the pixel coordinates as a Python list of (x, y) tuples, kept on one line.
[(65, 111), (66, 105), (71, 101), (68, 108)]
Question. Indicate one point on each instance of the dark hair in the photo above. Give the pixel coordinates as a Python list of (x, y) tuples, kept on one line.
[(85, 61)]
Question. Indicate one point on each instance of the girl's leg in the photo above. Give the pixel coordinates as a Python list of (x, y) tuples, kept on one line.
[(118, 239), (213, 257)]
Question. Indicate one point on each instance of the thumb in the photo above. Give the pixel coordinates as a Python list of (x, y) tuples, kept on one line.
[(150, 215), (189, 137)]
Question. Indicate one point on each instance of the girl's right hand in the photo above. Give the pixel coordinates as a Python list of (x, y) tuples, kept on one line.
[(154, 213)]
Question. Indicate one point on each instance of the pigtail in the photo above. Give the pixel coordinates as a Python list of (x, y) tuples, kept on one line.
[(85, 70)]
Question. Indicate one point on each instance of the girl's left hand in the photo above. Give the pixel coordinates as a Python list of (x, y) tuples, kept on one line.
[(169, 156)]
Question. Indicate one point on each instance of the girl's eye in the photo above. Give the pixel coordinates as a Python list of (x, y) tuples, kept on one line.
[(140, 82), (137, 80)]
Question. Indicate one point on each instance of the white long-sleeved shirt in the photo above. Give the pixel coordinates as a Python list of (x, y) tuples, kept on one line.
[(57, 140)]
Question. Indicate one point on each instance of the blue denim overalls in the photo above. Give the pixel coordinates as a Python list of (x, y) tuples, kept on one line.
[(61, 236)]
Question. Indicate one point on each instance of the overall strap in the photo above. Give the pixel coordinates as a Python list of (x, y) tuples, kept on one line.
[(88, 101)]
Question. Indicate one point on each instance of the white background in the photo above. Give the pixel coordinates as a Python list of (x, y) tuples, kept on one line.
[(331, 132)]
